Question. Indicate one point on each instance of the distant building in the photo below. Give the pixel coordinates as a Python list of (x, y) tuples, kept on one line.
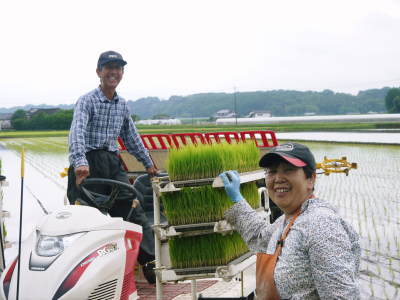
[(35, 111), (309, 113), (225, 113), (259, 114), (5, 121), (159, 122), (312, 119)]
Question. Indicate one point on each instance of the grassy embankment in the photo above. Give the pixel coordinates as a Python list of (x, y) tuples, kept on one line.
[(152, 129)]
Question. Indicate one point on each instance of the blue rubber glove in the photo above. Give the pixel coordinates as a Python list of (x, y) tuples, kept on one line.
[(231, 182)]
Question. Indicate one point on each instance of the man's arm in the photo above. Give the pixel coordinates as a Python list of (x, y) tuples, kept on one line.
[(333, 258), (134, 143), (76, 140)]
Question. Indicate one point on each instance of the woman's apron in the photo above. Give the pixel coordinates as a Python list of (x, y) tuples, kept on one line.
[(265, 267)]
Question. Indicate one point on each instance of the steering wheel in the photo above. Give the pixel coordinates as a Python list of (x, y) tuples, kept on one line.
[(104, 202)]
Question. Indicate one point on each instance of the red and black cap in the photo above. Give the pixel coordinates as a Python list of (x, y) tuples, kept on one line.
[(294, 153)]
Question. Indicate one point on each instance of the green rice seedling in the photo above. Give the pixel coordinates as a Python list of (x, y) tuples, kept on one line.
[(209, 160), (203, 204), (205, 250)]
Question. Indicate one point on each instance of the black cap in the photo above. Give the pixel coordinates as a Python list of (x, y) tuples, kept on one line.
[(296, 154), (110, 56)]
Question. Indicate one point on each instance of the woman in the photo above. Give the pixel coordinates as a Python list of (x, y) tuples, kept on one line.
[(310, 252)]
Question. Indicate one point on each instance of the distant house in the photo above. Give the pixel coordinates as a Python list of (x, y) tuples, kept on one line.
[(259, 114), (35, 111), (224, 113), (160, 122), (5, 121)]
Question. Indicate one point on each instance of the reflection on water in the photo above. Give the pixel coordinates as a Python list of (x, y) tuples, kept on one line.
[(369, 198), (47, 155)]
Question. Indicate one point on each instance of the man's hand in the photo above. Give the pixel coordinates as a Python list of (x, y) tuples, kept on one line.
[(152, 171), (81, 173), (231, 182)]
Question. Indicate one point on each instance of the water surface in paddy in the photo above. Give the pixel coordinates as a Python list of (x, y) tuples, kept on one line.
[(369, 198)]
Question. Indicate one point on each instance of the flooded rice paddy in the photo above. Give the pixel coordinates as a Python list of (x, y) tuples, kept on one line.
[(369, 198)]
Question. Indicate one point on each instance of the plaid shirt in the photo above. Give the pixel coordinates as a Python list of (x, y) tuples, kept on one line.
[(96, 125)]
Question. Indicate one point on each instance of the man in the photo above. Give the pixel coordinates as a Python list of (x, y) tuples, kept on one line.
[(100, 116), (310, 252)]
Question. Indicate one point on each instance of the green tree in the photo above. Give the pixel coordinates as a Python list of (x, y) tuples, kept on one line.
[(19, 120), (396, 104), (60, 120), (19, 114), (392, 100), (135, 117)]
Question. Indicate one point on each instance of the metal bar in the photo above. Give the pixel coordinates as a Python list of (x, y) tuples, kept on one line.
[(172, 186), (242, 283), (244, 177), (2, 215), (157, 243), (193, 286)]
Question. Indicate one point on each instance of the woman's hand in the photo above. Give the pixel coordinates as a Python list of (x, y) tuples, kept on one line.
[(231, 182)]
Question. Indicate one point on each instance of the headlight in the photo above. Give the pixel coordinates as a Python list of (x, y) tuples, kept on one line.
[(54, 245)]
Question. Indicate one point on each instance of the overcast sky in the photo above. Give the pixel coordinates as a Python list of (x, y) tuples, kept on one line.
[(49, 49)]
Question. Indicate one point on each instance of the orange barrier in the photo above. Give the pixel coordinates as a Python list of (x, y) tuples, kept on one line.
[(164, 141), (266, 137), (181, 138), (262, 138), (227, 135)]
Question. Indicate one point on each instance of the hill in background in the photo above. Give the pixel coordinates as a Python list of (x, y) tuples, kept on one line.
[(278, 102)]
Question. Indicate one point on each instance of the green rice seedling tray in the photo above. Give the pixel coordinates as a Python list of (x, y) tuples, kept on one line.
[(209, 160), (204, 250), (166, 232), (203, 204), (195, 201)]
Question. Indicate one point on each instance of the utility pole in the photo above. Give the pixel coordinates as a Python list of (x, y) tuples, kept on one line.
[(234, 103)]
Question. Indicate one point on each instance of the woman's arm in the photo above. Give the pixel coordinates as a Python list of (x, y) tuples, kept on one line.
[(254, 229), (334, 255)]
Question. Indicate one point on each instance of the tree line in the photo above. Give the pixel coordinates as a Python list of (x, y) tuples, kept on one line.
[(60, 120)]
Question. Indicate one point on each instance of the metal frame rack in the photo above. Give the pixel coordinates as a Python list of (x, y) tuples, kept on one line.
[(163, 232)]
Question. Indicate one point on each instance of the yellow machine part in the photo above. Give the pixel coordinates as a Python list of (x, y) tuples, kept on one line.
[(64, 173), (336, 165)]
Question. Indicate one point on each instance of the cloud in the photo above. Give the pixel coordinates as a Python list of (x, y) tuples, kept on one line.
[(183, 47)]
